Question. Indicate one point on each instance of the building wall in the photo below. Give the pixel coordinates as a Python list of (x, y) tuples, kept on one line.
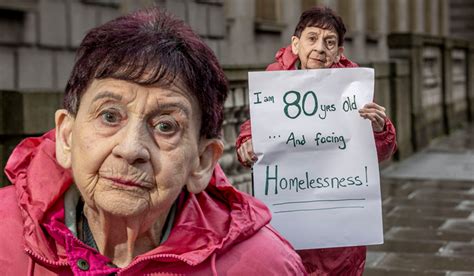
[(461, 17), (369, 22), (38, 37)]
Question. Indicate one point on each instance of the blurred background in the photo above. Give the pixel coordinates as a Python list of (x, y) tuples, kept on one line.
[(423, 55)]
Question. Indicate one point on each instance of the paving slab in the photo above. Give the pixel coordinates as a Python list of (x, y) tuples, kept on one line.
[(438, 194), (373, 258), (459, 225), (466, 205), (414, 222), (424, 262), (421, 202), (436, 212), (409, 246), (460, 273), (434, 165), (458, 249), (377, 271), (406, 233)]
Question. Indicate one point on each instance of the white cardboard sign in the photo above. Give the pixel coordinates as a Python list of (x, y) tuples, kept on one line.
[(317, 167)]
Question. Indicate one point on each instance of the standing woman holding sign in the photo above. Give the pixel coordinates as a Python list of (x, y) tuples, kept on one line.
[(318, 43)]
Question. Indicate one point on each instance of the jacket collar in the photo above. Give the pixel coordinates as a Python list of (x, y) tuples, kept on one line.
[(287, 60)]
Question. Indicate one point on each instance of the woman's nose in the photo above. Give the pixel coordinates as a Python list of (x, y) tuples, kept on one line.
[(132, 145), (319, 46)]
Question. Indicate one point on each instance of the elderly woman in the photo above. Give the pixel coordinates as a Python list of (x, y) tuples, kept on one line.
[(318, 43), (128, 181)]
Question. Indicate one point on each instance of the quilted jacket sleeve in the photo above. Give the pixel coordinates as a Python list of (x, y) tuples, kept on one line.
[(244, 135), (385, 141)]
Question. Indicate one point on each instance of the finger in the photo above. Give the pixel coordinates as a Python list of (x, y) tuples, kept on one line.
[(372, 112), (378, 123), (375, 106), (245, 154), (250, 151), (241, 154)]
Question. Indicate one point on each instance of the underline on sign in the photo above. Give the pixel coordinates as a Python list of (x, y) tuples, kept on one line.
[(318, 200), (319, 209)]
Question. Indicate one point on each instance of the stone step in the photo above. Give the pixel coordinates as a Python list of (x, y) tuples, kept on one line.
[(430, 193), (408, 246), (458, 249), (424, 212), (377, 271), (466, 205), (390, 221), (394, 263), (420, 202), (428, 183), (411, 234), (459, 225)]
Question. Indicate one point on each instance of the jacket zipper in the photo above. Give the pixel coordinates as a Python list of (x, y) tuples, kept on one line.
[(58, 263), (153, 258), (44, 260), (33, 254)]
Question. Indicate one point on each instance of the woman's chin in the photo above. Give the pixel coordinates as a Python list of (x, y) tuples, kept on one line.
[(121, 204)]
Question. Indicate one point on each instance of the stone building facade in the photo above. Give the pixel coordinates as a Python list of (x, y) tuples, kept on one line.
[(38, 37)]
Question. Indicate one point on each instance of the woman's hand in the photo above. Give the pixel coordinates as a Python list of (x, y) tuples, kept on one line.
[(246, 153), (376, 114)]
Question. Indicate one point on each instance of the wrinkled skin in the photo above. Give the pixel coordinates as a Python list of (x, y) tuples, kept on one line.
[(318, 48), (132, 150)]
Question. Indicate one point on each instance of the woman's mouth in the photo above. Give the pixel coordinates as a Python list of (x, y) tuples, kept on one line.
[(319, 60), (130, 183)]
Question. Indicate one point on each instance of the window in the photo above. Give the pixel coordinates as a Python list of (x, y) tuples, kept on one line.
[(306, 4), (267, 10), (268, 16)]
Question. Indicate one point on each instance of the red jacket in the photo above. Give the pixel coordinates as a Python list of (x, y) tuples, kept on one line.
[(219, 231), (332, 261)]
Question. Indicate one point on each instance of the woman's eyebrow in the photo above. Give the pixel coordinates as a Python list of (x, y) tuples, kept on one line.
[(107, 94), (167, 106)]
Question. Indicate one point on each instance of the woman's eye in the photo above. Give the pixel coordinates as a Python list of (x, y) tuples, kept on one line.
[(166, 127), (110, 117)]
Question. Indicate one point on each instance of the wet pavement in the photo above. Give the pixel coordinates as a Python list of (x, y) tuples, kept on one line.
[(428, 205)]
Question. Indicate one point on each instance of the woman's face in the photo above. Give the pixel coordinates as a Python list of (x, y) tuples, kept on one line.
[(133, 148), (316, 48)]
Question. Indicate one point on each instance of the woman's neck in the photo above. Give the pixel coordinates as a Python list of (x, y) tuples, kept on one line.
[(123, 238)]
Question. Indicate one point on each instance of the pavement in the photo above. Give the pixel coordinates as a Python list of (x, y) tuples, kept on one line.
[(428, 205)]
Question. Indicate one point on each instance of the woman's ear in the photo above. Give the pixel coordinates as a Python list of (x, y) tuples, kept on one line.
[(64, 123), (295, 44), (340, 50), (210, 150)]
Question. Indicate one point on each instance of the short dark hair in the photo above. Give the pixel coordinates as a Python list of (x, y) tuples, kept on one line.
[(321, 17), (151, 47)]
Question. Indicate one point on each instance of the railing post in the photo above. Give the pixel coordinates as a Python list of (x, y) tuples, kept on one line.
[(470, 81), (400, 91), (456, 54), (425, 54)]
